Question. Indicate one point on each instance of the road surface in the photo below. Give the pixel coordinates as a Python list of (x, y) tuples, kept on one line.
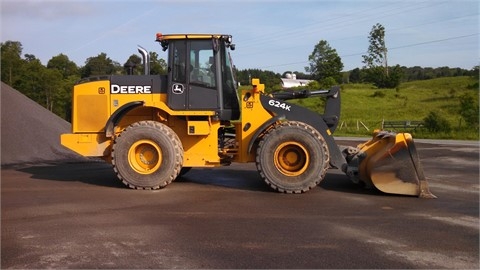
[(78, 215)]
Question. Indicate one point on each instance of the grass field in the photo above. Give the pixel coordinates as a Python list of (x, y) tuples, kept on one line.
[(411, 101), (366, 106)]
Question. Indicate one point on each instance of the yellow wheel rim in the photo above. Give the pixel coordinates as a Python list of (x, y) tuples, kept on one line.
[(291, 158), (145, 156)]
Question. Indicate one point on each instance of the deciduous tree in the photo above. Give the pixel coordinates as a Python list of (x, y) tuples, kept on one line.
[(377, 50), (133, 65), (469, 109), (100, 65), (64, 65), (11, 61), (158, 66), (376, 61), (324, 63)]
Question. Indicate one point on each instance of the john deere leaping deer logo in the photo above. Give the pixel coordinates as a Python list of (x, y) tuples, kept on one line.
[(177, 88)]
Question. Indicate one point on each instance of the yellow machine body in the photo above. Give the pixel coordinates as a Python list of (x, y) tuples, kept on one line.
[(93, 107)]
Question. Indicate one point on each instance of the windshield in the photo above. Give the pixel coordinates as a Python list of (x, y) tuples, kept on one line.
[(230, 98)]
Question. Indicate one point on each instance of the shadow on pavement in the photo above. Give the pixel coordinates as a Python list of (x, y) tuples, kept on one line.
[(92, 173), (235, 177), (341, 183), (228, 177)]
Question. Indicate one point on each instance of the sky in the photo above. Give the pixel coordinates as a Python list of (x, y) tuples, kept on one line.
[(268, 34)]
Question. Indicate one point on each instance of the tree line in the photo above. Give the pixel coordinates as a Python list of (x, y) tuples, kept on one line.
[(51, 85), (325, 67)]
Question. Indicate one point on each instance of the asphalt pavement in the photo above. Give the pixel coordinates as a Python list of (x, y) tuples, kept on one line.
[(78, 215)]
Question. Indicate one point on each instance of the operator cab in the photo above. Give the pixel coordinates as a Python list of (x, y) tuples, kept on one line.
[(200, 74)]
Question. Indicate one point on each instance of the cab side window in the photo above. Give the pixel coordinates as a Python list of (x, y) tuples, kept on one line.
[(202, 64), (179, 70)]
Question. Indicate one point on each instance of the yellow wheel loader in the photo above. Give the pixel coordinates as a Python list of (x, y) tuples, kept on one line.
[(153, 128)]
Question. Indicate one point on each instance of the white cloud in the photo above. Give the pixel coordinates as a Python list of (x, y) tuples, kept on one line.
[(46, 10)]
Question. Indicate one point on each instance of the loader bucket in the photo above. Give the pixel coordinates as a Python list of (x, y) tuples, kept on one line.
[(390, 163)]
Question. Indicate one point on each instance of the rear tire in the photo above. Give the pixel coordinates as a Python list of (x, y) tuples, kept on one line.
[(147, 155), (293, 157)]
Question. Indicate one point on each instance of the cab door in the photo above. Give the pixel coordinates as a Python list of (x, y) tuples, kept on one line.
[(192, 75), (177, 75), (202, 92)]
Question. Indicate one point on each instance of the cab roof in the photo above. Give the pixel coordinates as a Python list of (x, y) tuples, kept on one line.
[(161, 36), (164, 39)]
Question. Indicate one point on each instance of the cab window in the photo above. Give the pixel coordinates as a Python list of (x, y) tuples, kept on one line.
[(202, 64), (179, 69)]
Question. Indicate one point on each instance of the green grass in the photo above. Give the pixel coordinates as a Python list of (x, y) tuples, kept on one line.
[(363, 103), (410, 101)]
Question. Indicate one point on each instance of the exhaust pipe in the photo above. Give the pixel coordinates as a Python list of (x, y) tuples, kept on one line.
[(146, 59)]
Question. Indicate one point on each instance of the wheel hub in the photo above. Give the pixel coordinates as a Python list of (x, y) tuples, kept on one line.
[(291, 158), (145, 156)]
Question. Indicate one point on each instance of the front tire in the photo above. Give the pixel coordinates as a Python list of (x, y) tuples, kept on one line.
[(147, 155), (293, 157)]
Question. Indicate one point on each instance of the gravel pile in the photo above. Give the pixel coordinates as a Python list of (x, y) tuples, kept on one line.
[(29, 132)]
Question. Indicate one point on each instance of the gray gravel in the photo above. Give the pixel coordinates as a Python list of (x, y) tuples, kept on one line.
[(29, 132)]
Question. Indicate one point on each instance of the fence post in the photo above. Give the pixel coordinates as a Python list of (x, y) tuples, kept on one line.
[(364, 126)]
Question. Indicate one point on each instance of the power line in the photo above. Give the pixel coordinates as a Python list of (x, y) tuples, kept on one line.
[(294, 34), (434, 41), (394, 48), (358, 36), (340, 22), (417, 44), (267, 38)]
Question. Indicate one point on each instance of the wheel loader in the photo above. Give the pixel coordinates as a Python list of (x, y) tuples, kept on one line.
[(154, 128)]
